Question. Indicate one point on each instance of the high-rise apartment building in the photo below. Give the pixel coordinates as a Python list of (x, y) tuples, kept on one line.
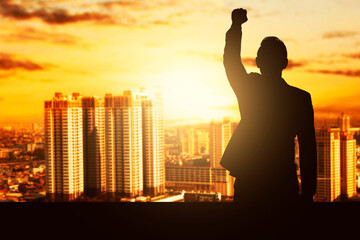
[(94, 144), (64, 147), (194, 141), (123, 145), (188, 141), (115, 145), (348, 164), (344, 122), (219, 136), (215, 144), (348, 157), (153, 145), (202, 141), (328, 165)]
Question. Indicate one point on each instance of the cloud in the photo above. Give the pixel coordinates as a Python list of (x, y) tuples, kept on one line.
[(336, 58), (347, 73), (352, 55), (54, 16), (137, 4), (121, 13), (292, 64), (335, 105), (32, 34), (339, 34), (7, 62), (334, 110), (247, 61), (112, 4), (147, 13)]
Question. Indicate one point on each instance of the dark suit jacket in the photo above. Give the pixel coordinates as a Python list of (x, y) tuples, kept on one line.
[(261, 151)]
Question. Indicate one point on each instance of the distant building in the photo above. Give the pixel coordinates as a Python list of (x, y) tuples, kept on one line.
[(348, 164), (7, 128), (201, 197), (194, 178), (195, 141), (188, 178), (215, 144), (153, 145), (94, 145), (219, 136), (348, 157), (222, 182), (344, 123), (15, 197), (123, 145), (328, 165), (5, 152), (31, 147), (34, 126), (201, 142), (38, 170), (64, 147), (115, 145), (34, 197), (188, 141)]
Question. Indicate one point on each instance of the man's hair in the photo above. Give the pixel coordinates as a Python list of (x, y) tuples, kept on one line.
[(272, 48)]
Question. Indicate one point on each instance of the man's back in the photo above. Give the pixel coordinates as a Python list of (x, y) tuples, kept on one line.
[(260, 153)]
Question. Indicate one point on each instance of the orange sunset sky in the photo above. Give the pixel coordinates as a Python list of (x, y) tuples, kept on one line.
[(96, 47)]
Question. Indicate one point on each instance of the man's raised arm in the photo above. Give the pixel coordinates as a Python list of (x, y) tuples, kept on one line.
[(234, 68)]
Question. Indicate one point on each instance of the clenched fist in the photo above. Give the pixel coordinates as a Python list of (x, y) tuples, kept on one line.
[(238, 16)]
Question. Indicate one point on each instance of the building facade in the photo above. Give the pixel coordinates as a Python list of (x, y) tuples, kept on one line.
[(348, 164), (194, 178), (220, 134), (94, 145), (153, 145), (328, 187), (115, 145), (64, 147), (123, 145), (344, 122), (194, 141)]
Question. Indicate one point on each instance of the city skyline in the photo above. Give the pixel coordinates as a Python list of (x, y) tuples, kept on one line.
[(103, 46), (112, 145), (191, 164)]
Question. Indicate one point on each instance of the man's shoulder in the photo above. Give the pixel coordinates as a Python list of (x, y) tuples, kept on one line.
[(300, 93), (254, 79), (254, 76)]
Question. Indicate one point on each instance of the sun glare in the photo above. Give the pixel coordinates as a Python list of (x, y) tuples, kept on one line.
[(189, 93)]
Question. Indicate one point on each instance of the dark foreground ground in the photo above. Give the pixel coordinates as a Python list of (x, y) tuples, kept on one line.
[(176, 221)]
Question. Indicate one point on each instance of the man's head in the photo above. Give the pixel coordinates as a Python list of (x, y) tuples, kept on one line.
[(271, 56)]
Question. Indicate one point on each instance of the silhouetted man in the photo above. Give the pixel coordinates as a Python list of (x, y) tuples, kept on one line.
[(260, 154)]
